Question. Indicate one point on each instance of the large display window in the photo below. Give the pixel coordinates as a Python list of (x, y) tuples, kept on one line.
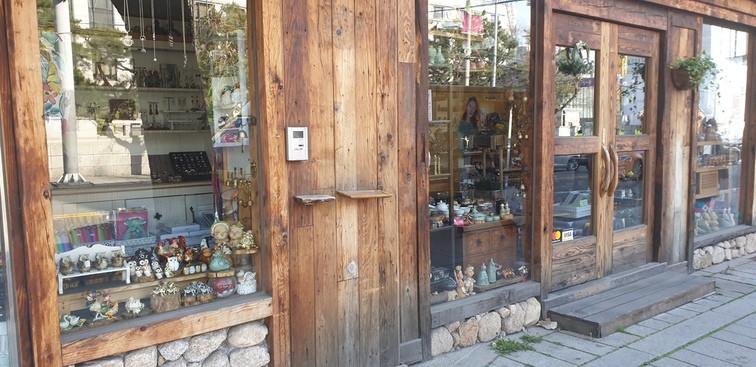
[(479, 126), (719, 131), (153, 149)]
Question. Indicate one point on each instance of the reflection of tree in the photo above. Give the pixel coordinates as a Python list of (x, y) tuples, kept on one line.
[(93, 48), (216, 35), (448, 67), (572, 65)]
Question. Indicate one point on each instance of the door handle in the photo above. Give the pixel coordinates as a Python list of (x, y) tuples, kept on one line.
[(615, 172), (604, 185)]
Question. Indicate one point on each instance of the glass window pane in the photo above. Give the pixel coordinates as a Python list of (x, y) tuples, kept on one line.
[(629, 196), (632, 84), (720, 129), (572, 197), (574, 91), (152, 148), (478, 72)]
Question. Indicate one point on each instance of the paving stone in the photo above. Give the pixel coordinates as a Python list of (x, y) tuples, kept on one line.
[(504, 362), (748, 341), (698, 308), (725, 351), (655, 324), (579, 342), (738, 308), (729, 285), (618, 339), (740, 330), (622, 357), (698, 359), (480, 354), (536, 359), (746, 281), (748, 321), (640, 330), (537, 331), (721, 298), (710, 303), (669, 318), (680, 334), (670, 362), (564, 353), (683, 312)]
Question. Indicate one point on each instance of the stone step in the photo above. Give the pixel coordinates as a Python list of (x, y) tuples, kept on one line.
[(604, 313)]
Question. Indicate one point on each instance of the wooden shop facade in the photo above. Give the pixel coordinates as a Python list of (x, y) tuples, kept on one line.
[(350, 175)]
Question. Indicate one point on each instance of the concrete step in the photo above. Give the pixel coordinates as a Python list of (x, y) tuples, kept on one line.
[(605, 312)]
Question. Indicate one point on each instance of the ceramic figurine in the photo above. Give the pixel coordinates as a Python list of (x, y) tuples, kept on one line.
[(158, 273), (173, 263), (168, 272), (66, 265), (469, 280), (100, 261), (247, 241), (246, 282), (483, 275), (100, 303), (189, 255), (220, 230), (84, 263), (219, 262), (523, 272), (134, 306), (205, 255), (117, 258), (235, 233), (492, 271), (459, 279)]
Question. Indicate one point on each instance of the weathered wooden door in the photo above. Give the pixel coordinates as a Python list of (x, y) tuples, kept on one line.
[(606, 97)]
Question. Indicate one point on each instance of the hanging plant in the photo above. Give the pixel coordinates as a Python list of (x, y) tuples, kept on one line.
[(694, 72)]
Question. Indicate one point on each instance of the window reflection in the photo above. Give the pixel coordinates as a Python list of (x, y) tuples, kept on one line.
[(572, 198), (720, 127), (632, 84), (574, 90), (629, 194)]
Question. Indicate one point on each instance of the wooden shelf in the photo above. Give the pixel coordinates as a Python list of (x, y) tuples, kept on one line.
[(178, 90), (712, 169), (364, 194), (709, 142), (313, 199)]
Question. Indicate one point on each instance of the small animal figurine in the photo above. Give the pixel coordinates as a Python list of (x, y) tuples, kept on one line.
[(66, 265), (144, 264), (117, 258), (134, 306), (173, 264), (85, 265), (101, 261), (158, 273), (235, 234), (205, 255)]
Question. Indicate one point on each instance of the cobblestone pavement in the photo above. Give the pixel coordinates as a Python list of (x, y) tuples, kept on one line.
[(717, 330)]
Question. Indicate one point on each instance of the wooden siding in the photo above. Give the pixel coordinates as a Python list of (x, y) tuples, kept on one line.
[(348, 71)]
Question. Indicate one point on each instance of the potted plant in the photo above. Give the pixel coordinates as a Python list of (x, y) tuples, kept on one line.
[(694, 72)]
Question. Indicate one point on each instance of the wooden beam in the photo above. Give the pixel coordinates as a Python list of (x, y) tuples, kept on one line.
[(618, 11), (421, 147), (28, 187), (268, 23)]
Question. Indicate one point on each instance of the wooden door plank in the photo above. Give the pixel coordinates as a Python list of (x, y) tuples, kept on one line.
[(302, 295), (406, 28), (421, 140), (28, 188), (606, 90), (631, 12), (269, 33), (387, 121), (672, 148), (348, 304), (369, 284), (542, 184), (326, 269)]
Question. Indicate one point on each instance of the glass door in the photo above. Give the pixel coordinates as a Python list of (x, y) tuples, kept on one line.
[(606, 78)]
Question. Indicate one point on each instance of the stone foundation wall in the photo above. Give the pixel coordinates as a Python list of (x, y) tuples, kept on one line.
[(486, 327), (726, 250), (239, 346)]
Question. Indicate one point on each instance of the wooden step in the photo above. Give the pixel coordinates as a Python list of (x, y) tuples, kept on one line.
[(574, 293), (603, 313)]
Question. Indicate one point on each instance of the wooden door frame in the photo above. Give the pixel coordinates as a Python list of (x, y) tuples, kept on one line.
[(29, 196)]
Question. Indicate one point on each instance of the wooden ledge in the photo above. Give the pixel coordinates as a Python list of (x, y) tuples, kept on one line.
[(314, 199), (158, 328), (364, 194)]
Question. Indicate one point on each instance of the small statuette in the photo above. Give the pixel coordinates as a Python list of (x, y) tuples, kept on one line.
[(483, 275)]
